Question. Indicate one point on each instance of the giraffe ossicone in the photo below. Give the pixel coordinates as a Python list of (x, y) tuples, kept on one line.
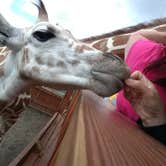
[(49, 55)]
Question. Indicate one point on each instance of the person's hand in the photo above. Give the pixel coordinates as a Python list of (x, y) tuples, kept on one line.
[(144, 98)]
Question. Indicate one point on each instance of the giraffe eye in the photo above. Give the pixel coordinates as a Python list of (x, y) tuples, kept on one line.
[(43, 35)]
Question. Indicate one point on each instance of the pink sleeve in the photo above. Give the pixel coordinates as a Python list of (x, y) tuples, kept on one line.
[(144, 52), (140, 55)]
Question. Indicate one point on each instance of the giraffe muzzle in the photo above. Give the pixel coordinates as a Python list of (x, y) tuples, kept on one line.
[(108, 76)]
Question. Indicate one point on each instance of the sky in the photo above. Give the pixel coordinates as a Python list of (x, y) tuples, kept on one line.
[(85, 18)]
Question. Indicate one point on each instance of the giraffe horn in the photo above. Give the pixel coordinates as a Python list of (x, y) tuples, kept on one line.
[(42, 12)]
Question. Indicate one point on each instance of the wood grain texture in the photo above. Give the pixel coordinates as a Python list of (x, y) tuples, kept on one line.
[(39, 151), (71, 151), (98, 136)]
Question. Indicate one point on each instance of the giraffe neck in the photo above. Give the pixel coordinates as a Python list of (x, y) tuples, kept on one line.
[(11, 83), (116, 44)]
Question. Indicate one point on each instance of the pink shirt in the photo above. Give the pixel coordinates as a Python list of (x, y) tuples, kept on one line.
[(140, 55)]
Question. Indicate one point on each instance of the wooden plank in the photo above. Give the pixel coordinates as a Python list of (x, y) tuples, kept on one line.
[(108, 137), (34, 141), (40, 150), (65, 153), (21, 134), (45, 100), (41, 153)]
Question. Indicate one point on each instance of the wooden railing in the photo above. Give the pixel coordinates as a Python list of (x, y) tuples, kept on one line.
[(45, 143), (98, 136)]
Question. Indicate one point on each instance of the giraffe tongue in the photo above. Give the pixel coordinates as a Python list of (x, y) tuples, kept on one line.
[(108, 75), (105, 84)]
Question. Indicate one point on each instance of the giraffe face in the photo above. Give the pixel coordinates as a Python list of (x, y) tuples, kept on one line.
[(54, 47), (49, 55)]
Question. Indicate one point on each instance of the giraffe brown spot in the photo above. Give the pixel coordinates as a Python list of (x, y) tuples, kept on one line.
[(39, 60), (75, 62), (120, 40), (2, 70), (2, 58), (101, 45), (82, 48), (61, 64), (50, 63), (119, 52), (25, 58), (35, 70), (161, 28)]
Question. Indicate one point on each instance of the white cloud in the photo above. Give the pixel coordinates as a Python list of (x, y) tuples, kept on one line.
[(15, 19), (88, 17), (85, 18)]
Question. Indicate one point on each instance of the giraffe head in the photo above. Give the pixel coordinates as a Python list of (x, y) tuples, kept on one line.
[(47, 54)]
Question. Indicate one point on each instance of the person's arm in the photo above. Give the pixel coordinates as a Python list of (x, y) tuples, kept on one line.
[(145, 99), (159, 37)]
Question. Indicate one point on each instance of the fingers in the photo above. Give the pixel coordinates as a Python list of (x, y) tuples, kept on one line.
[(135, 86), (131, 94), (137, 75), (139, 82)]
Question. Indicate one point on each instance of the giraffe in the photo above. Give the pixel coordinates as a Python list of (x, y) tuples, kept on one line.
[(49, 55), (115, 42)]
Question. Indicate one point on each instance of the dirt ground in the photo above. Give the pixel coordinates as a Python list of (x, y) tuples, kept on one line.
[(21, 133)]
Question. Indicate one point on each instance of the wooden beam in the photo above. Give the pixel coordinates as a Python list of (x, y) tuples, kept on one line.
[(98, 136)]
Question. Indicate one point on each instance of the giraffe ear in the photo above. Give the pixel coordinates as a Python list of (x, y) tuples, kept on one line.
[(9, 35), (42, 12)]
